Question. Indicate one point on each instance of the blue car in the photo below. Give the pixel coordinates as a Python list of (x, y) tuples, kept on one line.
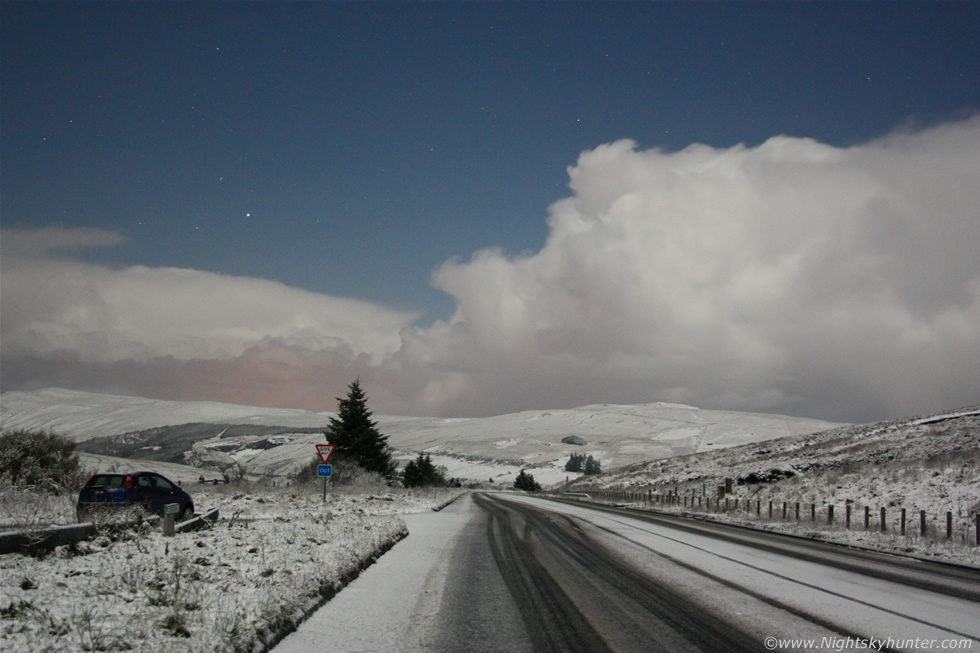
[(110, 492)]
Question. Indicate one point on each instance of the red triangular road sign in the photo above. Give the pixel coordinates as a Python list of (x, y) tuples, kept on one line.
[(325, 451)]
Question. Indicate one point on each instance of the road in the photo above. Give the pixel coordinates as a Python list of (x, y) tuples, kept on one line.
[(500, 572)]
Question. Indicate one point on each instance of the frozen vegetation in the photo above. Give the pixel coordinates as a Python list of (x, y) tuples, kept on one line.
[(929, 464), (274, 556)]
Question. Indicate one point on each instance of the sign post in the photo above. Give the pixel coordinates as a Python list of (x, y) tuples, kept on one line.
[(325, 471)]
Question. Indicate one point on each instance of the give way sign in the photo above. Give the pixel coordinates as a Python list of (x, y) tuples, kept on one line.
[(325, 451)]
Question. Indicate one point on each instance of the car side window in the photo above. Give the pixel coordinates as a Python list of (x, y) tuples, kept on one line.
[(144, 481), (162, 483)]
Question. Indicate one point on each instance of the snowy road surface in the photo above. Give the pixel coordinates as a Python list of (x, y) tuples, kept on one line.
[(496, 572)]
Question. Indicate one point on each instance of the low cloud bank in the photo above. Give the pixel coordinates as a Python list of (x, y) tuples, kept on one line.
[(795, 277), (176, 333)]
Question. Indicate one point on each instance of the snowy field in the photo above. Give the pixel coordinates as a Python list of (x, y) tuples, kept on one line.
[(273, 557)]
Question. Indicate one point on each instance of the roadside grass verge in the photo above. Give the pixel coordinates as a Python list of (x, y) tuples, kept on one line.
[(273, 557)]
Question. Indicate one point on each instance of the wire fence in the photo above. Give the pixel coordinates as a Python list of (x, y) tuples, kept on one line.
[(954, 527)]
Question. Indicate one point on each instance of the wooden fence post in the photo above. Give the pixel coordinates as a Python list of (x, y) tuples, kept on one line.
[(883, 523), (830, 514), (797, 511), (847, 516), (867, 517), (922, 523), (813, 512), (949, 525), (758, 508), (770, 509), (784, 510)]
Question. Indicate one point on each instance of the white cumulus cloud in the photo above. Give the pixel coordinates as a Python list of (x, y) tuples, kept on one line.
[(792, 276)]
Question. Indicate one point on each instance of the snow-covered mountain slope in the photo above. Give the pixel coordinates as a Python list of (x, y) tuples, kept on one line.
[(84, 415), (614, 434), (951, 438), (274, 442), (929, 463)]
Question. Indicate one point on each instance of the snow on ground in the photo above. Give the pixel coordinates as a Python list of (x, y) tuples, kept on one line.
[(274, 556), (925, 463), (275, 553), (394, 605), (615, 434), (180, 474), (84, 415)]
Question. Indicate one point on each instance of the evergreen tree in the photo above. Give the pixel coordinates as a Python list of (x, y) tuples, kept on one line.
[(575, 462), (421, 472), (412, 475), (356, 434), (525, 481), (592, 466)]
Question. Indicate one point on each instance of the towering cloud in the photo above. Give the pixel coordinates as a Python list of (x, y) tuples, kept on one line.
[(792, 276)]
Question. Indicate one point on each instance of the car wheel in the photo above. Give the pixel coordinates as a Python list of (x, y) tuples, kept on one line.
[(188, 513)]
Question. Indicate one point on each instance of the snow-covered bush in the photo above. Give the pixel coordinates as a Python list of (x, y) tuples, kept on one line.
[(41, 460)]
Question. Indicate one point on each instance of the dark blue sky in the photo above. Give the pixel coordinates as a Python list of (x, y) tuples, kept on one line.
[(351, 148)]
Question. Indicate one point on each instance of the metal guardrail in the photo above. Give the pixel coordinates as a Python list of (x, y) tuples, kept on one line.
[(197, 523), (44, 539), (35, 540)]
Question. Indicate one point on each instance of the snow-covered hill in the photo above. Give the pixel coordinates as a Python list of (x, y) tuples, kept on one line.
[(274, 442), (84, 415), (928, 463), (934, 442)]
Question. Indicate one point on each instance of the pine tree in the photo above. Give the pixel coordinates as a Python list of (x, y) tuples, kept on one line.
[(592, 466), (575, 462), (412, 475), (525, 481), (422, 472), (356, 434)]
